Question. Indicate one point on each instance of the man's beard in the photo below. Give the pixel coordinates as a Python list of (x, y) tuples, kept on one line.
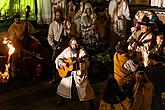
[(59, 20), (74, 50)]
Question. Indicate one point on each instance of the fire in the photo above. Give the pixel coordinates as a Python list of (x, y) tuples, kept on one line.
[(5, 76), (11, 48)]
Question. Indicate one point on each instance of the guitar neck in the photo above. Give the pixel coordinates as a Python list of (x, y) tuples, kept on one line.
[(76, 60), (73, 62)]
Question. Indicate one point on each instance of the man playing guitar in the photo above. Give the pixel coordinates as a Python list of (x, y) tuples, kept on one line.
[(77, 75)]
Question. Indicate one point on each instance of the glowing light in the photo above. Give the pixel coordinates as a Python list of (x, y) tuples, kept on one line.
[(11, 48), (5, 76)]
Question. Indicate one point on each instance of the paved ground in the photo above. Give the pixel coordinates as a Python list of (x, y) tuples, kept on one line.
[(22, 94)]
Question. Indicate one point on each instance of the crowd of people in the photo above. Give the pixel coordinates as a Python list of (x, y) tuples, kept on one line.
[(131, 77), (139, 59)]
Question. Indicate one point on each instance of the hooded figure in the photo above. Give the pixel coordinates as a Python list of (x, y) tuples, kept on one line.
[(87, 25)]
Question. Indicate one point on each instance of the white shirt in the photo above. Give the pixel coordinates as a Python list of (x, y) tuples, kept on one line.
[(55, 31)]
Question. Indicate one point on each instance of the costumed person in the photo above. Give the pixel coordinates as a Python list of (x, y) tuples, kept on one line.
[(70, 25), (16, 34), (87, 26), (157, 25), (76, 74), (156, 75), (102, 26), (56, 37), (119, 14), (143, 91), (58, 4), (158, 48), (138, 18), (120, 85), (142, 41), (77, 16)]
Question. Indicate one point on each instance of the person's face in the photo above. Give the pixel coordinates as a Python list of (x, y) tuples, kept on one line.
[(74, 45), (17, 20), (58, 16), (89, 11), (71, 13), (149, 14), (159, 40), (144, 28)]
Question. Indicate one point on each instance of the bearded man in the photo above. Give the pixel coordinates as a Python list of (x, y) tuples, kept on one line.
[(77, 77), (56, 35)]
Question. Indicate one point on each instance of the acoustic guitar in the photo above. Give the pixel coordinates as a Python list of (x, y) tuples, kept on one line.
[(64, 70)]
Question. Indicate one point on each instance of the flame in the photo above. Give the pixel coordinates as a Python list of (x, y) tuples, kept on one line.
[(9, 45), (11, 48), (5, 76)]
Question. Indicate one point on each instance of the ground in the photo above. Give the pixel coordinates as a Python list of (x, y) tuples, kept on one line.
[(22, 94)]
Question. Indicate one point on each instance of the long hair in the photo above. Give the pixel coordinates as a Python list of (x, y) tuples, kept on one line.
[(74, 38)]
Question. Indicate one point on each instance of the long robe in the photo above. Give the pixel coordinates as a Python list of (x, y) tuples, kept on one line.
[(119, 14), (84, 90)]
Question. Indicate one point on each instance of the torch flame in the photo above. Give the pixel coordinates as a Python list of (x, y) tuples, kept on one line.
[(5, 76), (11, 49)]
